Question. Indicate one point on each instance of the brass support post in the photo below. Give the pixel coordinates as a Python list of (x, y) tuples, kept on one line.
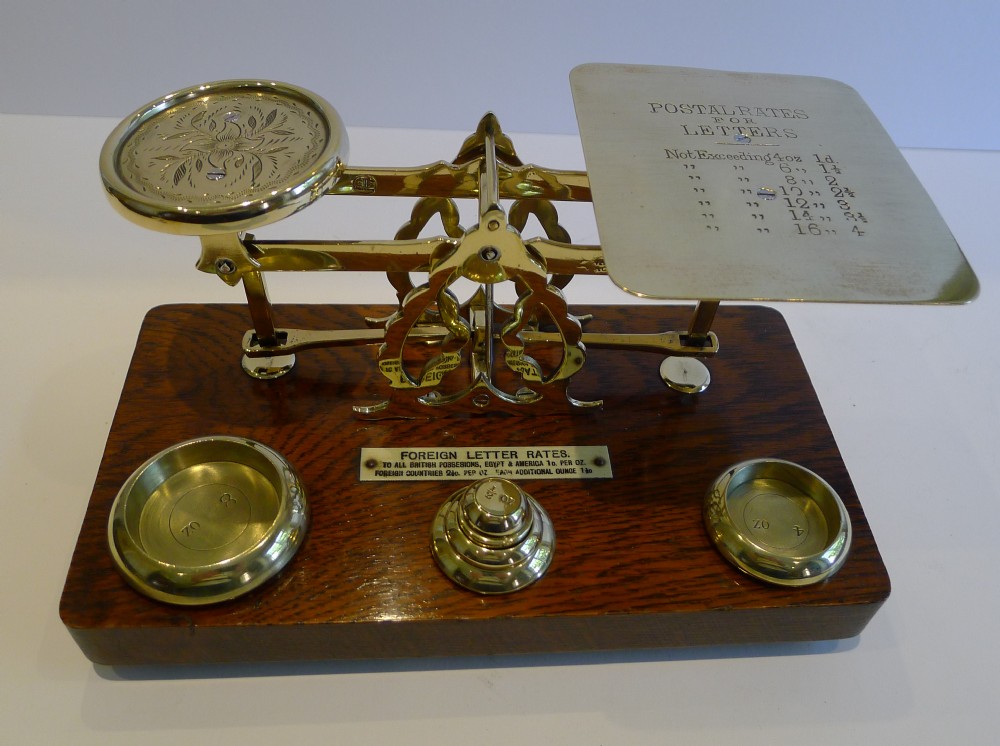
[(701, 322), (260, 308)]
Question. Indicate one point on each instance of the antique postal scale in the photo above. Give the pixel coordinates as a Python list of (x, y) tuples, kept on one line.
[(456, 475)]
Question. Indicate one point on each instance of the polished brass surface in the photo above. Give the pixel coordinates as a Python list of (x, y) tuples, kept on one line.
[(267, 367), (207, 520), (223, 156), (744, 186), (685, 375), (492, 537), (444, 179), (222, 159), (778, 522)]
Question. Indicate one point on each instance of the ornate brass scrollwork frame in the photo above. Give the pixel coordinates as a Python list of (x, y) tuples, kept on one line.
[(437, 352)]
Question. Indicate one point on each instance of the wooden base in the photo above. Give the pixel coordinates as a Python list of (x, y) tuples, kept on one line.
[(633, 566)]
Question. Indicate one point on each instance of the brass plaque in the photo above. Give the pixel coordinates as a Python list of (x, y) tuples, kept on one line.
[(470, 463), (736, 186)]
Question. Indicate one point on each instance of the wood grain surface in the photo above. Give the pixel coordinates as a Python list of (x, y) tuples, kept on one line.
[(633, 566)]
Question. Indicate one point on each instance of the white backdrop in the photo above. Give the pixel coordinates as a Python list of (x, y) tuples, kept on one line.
[(928, 69)]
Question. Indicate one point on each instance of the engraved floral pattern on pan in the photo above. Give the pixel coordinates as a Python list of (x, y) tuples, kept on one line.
[(223, 150)]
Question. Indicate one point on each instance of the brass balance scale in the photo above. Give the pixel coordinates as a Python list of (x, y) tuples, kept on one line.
[(342, 481)]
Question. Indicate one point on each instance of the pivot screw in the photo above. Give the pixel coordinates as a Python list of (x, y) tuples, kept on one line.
[(225, 266)]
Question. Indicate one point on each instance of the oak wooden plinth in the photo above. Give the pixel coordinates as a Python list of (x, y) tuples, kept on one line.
[(633, 566)]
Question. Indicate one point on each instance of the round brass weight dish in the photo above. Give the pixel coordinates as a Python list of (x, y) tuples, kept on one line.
[(207, 520), (223, 157), (778, 521)]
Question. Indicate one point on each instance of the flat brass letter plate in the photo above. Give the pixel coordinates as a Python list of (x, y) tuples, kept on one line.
[(736, 186)]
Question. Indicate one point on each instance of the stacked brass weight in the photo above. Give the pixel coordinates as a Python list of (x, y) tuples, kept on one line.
[(492, 537)]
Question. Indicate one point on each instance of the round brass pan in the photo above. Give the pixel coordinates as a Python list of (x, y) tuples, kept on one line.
[(223, 157), (778, 522), (207, 520)]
